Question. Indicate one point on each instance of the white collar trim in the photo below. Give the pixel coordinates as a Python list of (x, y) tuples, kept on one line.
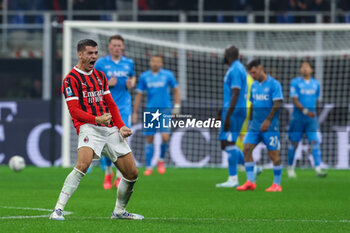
[(83, 72)]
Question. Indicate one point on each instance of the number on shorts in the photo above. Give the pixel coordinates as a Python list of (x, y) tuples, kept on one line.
[(274, 141)]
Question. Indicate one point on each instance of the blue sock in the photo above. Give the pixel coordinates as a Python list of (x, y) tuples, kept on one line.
[(316, 153), (277, 172), (108, 162), (291, 154), (249, 169), (149, 153), (163, 149), (233, 153), (103, 164)]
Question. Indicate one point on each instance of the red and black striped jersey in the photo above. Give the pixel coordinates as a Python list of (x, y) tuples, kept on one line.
[(88, 89)]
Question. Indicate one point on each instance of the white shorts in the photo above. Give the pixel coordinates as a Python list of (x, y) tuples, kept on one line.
[(103, 140)]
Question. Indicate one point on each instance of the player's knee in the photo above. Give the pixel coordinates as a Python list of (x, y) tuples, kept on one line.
[(149, 139), (165, 137), (82, 166), (277, 162), (276, 159), (132, 174), (246, 151)]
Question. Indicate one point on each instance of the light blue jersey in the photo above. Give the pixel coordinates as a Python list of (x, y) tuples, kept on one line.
[(157, 87), (236, 77), (122, 70), (262, 96), (307, 93)]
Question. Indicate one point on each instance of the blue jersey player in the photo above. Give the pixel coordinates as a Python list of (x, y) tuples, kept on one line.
[(266, 97), (305, 92), (157, 83), (233, 113), (121, 77)]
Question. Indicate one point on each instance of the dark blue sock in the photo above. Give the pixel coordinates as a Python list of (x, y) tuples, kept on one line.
[(291, 154), (163, 149), (149, 148), (316, 153), (277, 172), (249, 169)]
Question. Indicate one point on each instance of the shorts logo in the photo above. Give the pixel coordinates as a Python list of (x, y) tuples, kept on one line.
[(69, 91), (86, 139)]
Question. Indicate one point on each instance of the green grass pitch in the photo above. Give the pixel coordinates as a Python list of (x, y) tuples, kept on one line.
[(181, 200)]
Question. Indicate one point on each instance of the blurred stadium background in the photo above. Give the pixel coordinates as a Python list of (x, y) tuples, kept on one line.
[(31, 68), (33, 62)]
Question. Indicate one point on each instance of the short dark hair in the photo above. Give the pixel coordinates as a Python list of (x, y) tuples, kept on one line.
[(157, 55), (86, 42), (308, 62), (253, 63), (232, 52), (115, 37)]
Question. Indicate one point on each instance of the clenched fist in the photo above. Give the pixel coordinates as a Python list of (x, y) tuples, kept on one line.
[(125, 131), (104, 119)]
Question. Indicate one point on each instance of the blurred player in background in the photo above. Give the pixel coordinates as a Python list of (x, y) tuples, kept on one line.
[(120, 73), (257, 169), (266, 97), (100, 128), (244, 129), (234, 112), (157, 83), (305, 92)]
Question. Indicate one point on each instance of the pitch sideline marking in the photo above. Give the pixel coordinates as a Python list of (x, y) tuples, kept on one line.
[(174, 219), (230, 219), (30, 216)]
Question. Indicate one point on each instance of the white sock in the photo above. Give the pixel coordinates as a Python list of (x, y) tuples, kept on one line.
[(70, 185), (118, 174), (125, 189), (108, 170), (233, 178), (318, 169)]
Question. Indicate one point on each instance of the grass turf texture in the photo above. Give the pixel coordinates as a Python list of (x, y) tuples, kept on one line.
[(182, 200)]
